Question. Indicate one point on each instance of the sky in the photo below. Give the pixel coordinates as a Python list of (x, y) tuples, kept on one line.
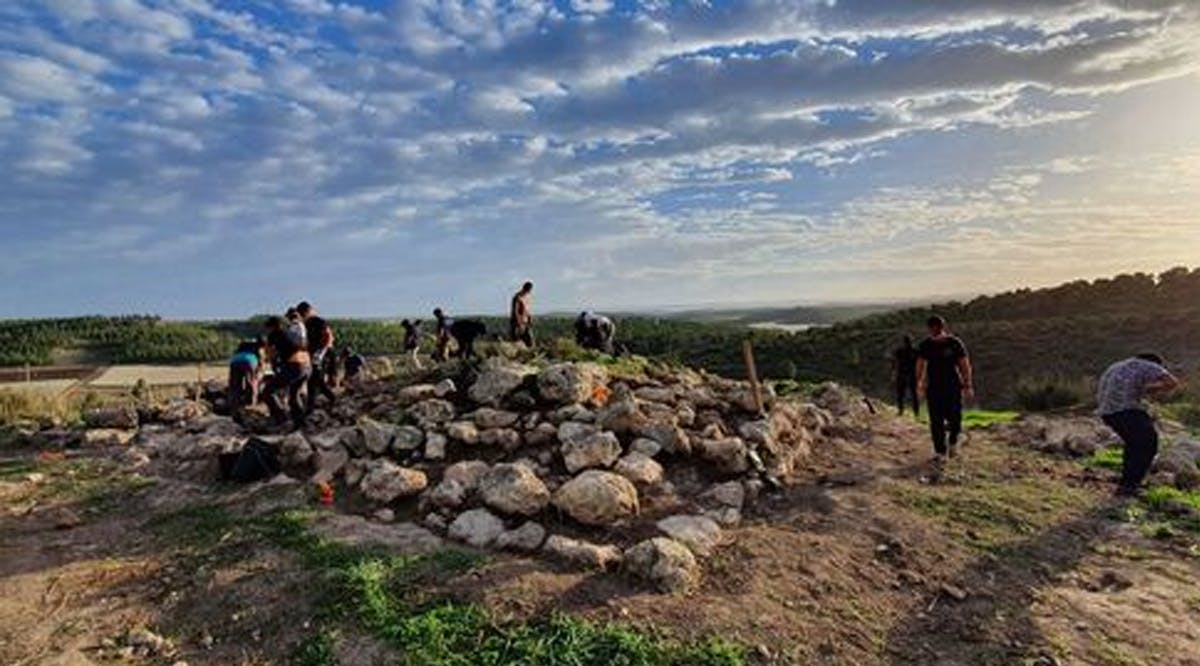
[(212, 158)]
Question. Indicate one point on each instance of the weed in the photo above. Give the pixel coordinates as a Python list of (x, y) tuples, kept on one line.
[(1112, 458)]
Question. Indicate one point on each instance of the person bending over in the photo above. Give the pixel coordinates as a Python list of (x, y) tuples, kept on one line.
[(1120, 394)]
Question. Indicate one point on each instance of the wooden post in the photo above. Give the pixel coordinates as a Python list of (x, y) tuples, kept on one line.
[(752, 372)]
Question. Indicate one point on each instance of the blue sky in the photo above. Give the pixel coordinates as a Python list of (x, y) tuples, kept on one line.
[(203, 158)]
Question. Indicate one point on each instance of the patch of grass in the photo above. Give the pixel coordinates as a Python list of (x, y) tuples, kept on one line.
[(92, 484), (980, 418), (18, 406), (1112, 458), (388, 595)]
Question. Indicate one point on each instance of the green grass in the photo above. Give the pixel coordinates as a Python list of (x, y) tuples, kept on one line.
[(1112, 458), (94, 485), (389, 596), (980, 418)]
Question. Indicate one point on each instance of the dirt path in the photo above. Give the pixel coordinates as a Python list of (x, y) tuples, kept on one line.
[(1010, 557)]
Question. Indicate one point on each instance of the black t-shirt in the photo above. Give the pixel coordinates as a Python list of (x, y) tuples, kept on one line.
[(354, 364), (314, 330), (941, 362), (906, 362)]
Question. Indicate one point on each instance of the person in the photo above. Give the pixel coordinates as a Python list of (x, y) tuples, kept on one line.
[(904, 374), (319, 336), (293, 365), (412, 341), (520, 320), (1120, 394), (595, 331), (441, 351), (353, 365), (245, 373), (944, 380)]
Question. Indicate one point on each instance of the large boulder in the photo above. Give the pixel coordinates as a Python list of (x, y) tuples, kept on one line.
[(728, 454), (385, 481), (597, 498), (497, 379), (123, 417), (582, 553), (585, 446), (700, 533), (477, 527), (567, 383), (666, 563), (641, 469), (513, 489)]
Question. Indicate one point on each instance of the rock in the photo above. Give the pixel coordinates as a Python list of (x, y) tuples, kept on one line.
[(568, 383), (728, 454), (668, 564), (1180, 460), (477, 527), (582, 553), (463, 431), (525, 539), (574, 412), (597, 498), (584, 446), (149, 642), (545, 434), (641, 469), (497, 379), (731, 494), (837, 400), (416, 393), (408, 438), (621, 415), (435, 446), (181, 411), (646, 447), (386, 481), (122, 417), (701, 534), (354, 471), (35, 478), (504, 438), (101, 437), (513, 489), (65, 519), (296, 455), (384, 516), (432, 412), (685, 415), (467, 472), (668, 434), (449, 494), (725, 517), (375, 436), (434, 522), (445, 388), (486, 417), (656, 394), (954, 592)]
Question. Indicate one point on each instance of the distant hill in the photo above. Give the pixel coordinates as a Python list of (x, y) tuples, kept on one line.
[(810, 315)]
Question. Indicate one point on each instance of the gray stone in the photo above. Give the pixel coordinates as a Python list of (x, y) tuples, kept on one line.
[(386, 481), (122, 417), (582, 553), (567, 383), (463, 431), (433, 412), (497, 380), (585, 447), (728, 454), (435, 446), (701, 534), (467, 472), (668, 434), (329, 461), (504, 438), (407, 438), (545, 434), (375, 436), (641, 469), (102, 437), (416, 393), (449, 494), (513, 489), (477, 527), (525, 539), (445, 388), (646, 447), (487, 417)]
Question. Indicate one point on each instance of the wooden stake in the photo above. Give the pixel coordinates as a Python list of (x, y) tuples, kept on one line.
[(748, 354)]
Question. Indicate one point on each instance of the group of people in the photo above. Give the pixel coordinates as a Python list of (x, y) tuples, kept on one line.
[(298, 348), (939, 371)]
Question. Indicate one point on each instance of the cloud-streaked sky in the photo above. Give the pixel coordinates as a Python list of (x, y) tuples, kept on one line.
[(218, 158)]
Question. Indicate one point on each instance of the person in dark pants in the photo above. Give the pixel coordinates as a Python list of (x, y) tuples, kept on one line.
[(1122, 388), (293, 366), (319, 334), (412, 341), (245, 372), (520, 318), (944, 379), (904, 373)]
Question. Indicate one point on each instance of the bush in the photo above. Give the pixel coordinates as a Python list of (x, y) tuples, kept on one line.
[(1047, 394)]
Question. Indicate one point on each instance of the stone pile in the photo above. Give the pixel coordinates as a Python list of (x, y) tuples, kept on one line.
[(562, 460)]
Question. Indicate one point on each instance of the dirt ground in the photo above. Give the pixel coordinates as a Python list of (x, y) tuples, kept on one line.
[(1008, 557)]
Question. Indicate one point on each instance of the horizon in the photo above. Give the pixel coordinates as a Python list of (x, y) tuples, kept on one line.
[(201, 158)]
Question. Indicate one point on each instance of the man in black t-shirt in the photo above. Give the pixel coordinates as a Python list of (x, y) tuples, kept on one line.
[(945, 379), (320, 341), (904, 373)]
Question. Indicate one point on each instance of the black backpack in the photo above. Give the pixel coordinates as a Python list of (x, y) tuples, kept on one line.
[(258, 460)]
